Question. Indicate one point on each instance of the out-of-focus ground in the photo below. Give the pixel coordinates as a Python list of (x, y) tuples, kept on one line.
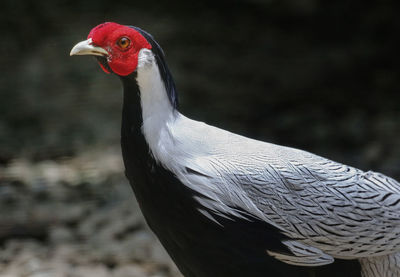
[(318, 75), (75, 217)]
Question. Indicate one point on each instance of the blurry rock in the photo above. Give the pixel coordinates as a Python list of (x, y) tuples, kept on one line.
[(90, 271), (129, 271), (59, 221), (61, 234), (29, 259), (138, 245)]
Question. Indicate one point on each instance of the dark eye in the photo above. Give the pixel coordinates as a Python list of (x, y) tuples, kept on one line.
[(124, 43)]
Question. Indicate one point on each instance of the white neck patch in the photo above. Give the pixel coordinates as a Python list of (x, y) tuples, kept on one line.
[(157, 111)]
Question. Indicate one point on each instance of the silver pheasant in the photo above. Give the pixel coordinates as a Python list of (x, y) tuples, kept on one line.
[(324, 209)]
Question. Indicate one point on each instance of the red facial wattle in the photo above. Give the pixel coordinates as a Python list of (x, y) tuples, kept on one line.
[(122, 61)]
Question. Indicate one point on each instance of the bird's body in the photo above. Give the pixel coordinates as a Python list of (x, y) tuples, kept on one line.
[(228, 248), (226, 205)]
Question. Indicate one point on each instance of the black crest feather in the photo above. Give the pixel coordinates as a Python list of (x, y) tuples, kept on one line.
[(162, 65)]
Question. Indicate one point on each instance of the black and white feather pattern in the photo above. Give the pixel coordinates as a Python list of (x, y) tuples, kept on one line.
[(327, 210)]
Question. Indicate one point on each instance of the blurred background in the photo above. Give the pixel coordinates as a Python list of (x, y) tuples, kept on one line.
[(318, 75)]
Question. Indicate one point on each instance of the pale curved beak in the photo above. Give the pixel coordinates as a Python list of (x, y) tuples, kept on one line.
[(87, 48)]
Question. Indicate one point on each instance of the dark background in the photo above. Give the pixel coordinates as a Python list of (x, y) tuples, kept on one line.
[(317, 75)]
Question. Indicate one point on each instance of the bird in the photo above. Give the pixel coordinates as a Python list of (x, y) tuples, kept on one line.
[(223, 204)]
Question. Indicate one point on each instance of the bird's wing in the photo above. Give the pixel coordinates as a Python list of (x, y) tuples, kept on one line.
[(336, 208), (317, 203)]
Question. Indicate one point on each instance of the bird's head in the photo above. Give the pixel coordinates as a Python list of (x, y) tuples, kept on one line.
[(124, 50), (116, 47)]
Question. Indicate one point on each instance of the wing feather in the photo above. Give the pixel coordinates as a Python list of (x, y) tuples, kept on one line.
[(340, 210), (343, 211)]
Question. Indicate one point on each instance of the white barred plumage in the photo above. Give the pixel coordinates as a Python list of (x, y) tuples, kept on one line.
[(328, 209)]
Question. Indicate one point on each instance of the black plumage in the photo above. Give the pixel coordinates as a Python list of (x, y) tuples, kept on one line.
[(199, 246)]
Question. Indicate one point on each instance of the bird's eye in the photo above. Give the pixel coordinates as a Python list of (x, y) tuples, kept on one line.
[(124, 43)]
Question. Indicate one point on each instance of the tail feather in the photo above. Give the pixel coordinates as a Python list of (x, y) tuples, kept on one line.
[(381, 266)]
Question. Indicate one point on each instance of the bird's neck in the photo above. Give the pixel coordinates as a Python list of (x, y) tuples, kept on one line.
[(134, 147), (157, 109), (148, 110), (140, 120)]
